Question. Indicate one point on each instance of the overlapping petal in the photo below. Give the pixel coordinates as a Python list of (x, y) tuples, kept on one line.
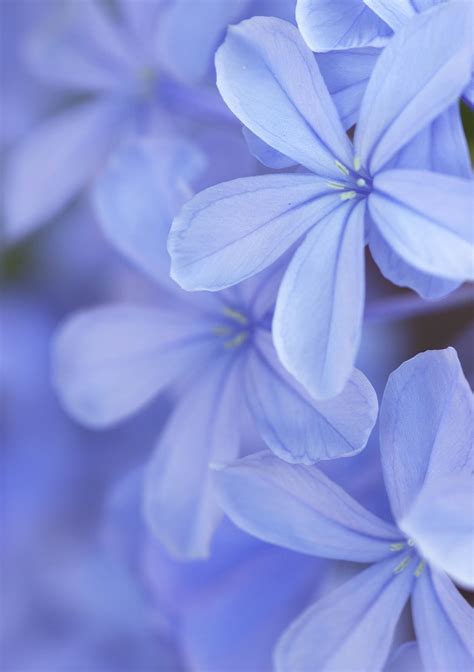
[(406, 658), (189, 34), (396, 107), (138, 194), (327, 25), (318, 315), (441, 522), (426, 426), (444, 623), (231, 231), (300, 508), (179, 501), (352, 627), (271, 82), (110, 361), (296, 427), (426, 218)]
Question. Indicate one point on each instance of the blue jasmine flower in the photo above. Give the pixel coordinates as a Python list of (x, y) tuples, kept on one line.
[(426, 439), (216, 352), (416, 222), (127, 74)]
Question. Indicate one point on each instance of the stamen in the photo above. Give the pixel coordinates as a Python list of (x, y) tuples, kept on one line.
[(336, 185), (419, 569), (237, 340), (402, 565), (222, 330), (397, 547), (235, 315), (357, 162), (361, 182), (347, 195), (342, 167)]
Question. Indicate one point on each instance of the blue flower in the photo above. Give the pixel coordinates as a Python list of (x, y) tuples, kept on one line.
[(426, 444), (126, 73), (416, 222), (216, 352)]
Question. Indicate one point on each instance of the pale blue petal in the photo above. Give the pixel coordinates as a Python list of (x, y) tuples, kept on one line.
[(296, 427), (189, 34), (435, 49), (441, 523), (256, 69), (180, 506), (339, 24), (444, 623), (346, 74), (300, 508), (405, 659), (52, 164), (140, 18), (140, 191), (80, 47), (441, 147), (426, 425), (395, 269), (109, 362), (426, 218), (319, 309), (351, 628), (265, 154), (231, 231)]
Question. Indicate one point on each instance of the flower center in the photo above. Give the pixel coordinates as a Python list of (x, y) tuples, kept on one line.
[(409, 555), (355, 184), (235, 329)]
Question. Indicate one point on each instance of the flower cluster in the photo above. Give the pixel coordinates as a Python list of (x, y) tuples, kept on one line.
[(288, 186)]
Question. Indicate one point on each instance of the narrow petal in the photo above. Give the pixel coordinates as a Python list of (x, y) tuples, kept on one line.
[(352, 627), (346, 74), (340, 24), (300, 508), (444, 624), (141, 189), (296, 427), (190, 33), (421, 72), (50, 166), (426, 425), (256, 69), (405, 659), (319, 310), (265, 154), (395, 269), (441, 523), (180, 506), (231, 231), (110, 361), (426, 218)]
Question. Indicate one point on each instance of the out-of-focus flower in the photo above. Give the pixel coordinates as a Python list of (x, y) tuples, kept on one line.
[(417, 223), (426, 443), (110, 361)]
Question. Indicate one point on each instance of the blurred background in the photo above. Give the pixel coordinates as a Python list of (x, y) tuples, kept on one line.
[(84, 587)]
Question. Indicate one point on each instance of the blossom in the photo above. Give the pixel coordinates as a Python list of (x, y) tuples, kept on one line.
[(128, 76), (417, 222), (426, 444), (216, 351)]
